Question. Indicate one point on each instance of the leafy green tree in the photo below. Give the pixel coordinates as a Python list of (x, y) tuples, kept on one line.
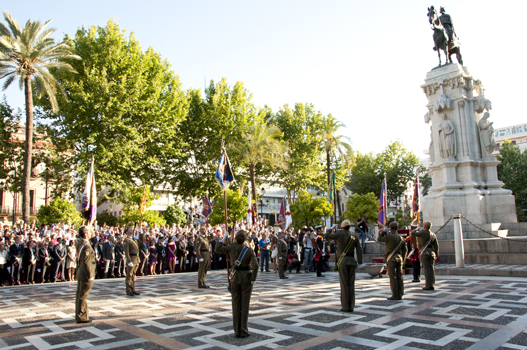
[(133, 217), (124, 110), (309, 209), (223, 114), (261, 147), (107, 218), (236, 208), (512, 170), (57, 211), (8, 148), (399, 164), (175, 215), (357, 205), (299, 126), (30, 55)]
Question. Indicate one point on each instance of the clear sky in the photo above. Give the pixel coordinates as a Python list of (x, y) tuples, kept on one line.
[(362, 61)]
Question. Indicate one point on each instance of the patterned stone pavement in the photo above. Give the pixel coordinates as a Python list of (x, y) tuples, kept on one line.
[(301, 312)]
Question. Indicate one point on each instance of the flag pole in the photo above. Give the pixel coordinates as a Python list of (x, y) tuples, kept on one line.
[(419, 194), (385, 199)]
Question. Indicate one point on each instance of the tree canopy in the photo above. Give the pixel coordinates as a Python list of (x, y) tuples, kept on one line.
[(399, 164), (512, 170), (309, 209)]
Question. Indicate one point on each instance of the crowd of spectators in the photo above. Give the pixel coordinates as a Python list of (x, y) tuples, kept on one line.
[(31, 254)]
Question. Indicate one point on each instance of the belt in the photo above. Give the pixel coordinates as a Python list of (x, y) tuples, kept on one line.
[(133, 254), (246, 268), (204, 250), (351, 254)]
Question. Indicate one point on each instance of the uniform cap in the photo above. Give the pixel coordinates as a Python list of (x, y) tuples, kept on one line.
[(345, 223), (240, 233)]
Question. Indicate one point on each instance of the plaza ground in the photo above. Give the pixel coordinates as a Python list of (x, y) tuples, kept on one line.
[(301, 312)]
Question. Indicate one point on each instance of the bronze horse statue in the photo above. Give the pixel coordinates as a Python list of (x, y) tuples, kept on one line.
[(441, 39)]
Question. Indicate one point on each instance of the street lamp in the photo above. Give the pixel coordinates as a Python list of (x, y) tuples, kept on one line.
[(263, 205)]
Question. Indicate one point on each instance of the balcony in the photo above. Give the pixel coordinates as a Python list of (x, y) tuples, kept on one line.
[(8, 211)]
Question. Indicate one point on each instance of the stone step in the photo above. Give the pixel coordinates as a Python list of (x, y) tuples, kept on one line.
[(482, 270), (486, 258), (487, 245)]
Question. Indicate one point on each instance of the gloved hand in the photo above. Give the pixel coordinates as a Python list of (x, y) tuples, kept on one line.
[(252, 282), (225, 236), (334, 226), (200, 260), (130, 264)]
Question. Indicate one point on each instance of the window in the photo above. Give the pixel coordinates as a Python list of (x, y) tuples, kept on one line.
[(31, 198)]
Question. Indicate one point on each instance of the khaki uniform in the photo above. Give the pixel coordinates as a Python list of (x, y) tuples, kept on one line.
[(203, 252), (347, 267), (282, 257), (85, 278), (241, 287), (428, 256), (392, 242), (131, 255)]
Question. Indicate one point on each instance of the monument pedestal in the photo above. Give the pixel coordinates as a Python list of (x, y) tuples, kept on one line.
[(464, 171)]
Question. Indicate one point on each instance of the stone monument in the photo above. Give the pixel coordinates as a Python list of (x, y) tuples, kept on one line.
[(464, 171)]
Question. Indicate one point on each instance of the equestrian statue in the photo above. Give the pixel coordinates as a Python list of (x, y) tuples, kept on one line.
[(445, 37)]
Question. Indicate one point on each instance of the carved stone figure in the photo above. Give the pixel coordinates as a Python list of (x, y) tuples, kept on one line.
[(431, 147), (486, 134), (447, 138)]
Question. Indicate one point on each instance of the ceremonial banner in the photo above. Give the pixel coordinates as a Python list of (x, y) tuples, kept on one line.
[(224, 174), (207, 208), (331, 188), (250, 211), (416, 202), (381, 219), (89, 199), (284, 217)]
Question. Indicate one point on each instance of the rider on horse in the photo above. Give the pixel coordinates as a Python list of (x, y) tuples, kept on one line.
[(446, 21)]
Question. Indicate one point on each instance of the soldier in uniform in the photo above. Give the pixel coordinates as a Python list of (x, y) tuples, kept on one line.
[(282, 255), (429, 253), (348, 265), (242, 282), (446, 21), (85, 274), (203, 255), (395, 257), (131, 255)]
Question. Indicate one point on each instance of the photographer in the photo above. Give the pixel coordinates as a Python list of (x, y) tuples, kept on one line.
[(309, 248), (362, 228)]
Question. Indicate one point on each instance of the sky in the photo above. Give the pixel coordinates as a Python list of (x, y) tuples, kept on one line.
[(361, 61)]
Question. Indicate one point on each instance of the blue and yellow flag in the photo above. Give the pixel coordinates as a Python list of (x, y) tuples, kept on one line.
[(224, 173), (381, 219)]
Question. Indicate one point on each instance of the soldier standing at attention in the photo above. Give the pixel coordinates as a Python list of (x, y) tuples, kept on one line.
[(245, 269), (429, 253), (85, 274), (131, 255), (282, 255), (395, 257), (347, 244), (203, 255)]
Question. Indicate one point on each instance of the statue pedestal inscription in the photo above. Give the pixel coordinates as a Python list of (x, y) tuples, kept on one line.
[(464, 171)]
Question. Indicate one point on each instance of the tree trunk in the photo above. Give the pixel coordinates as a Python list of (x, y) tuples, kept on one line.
[(253, 185), (26, 180)]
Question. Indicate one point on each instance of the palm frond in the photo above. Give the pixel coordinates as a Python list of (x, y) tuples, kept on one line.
[(9, 80)]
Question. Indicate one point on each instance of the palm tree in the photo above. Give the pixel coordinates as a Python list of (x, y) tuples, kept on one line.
[(334, 145), (28, 54), (262, 146)]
